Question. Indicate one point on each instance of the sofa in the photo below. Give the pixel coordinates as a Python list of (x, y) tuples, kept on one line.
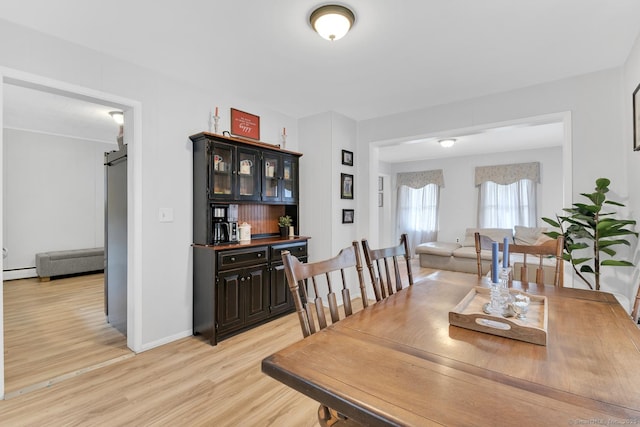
[(462, 257), (60, 263)]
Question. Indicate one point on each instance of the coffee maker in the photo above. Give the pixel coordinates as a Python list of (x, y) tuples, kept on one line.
[(224, 227), (232, 220)]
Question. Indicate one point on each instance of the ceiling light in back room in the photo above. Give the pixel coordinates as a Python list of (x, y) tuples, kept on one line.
[(446, 143), (117, 116)]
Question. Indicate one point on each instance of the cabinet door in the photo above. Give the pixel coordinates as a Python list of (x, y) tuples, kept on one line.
[(256, 294), (271, 177), (248, 174), (229, 304), (281, 299), (221, 165), (289, 180)]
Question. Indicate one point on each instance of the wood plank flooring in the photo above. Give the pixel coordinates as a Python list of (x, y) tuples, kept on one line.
[(184, 383), (55, 329)]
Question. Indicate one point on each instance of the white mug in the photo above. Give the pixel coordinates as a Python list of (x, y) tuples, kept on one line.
[(245, 167)]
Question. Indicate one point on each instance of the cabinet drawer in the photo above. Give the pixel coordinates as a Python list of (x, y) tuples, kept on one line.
[(242, 257), (297, 250)]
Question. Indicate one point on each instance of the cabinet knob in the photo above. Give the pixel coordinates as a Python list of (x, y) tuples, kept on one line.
[(259, 255), (242, 279), (233, 259)]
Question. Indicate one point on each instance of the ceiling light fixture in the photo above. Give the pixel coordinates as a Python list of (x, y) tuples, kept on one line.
[(446, 143), (332, 21), (117, 116)]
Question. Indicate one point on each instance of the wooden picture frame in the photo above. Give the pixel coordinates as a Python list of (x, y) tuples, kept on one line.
[(245, 124), (348, 216), (346, 186), (636, 119), (347, 158)]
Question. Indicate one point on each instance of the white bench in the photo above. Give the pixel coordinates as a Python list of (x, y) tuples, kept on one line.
[(59, 263)]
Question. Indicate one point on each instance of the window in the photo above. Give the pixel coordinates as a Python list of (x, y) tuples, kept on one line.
[(418, 213), (508, 205)]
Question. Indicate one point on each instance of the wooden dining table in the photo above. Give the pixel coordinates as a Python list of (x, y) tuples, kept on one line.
[(400, 362)]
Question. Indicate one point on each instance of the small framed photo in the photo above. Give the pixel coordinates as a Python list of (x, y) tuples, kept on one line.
[(347, 158), (347, 216), (636, 119), (380, 198), (346, 186), (380, 183)]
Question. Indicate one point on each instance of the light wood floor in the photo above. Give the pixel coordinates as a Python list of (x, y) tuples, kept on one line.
[(184, 383), (55, 329)]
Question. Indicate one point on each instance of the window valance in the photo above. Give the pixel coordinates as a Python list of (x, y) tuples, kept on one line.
[(421, 179), (508, 174)]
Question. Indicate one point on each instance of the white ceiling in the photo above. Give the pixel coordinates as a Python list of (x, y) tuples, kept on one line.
[(37, 111), (400, 55)]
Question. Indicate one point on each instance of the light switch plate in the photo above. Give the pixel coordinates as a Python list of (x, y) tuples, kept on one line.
[(165, 215)]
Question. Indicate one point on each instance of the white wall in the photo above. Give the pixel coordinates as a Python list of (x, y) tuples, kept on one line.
[(631, 82), (53, 195), (323, 137), (458, 208)]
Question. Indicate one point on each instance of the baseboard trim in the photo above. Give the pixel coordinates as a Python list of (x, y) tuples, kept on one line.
[(166, 340), (23, 273)]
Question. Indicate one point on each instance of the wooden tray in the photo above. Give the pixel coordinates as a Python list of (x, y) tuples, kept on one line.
[(468, 314)]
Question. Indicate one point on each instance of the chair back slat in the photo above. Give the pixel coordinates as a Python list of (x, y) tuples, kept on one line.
[(312, 315), (378, 263)]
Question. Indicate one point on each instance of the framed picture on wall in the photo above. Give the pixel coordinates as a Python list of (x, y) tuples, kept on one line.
[(380, 183), (347, 216), (380, 199), (636, 119), (347, 158), (346, 186)]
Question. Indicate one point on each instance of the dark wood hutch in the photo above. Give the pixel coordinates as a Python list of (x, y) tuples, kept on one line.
[(237, 286)]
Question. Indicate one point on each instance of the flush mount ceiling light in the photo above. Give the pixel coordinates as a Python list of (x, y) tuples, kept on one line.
[(332, 21), (446, 143), (117, 116)]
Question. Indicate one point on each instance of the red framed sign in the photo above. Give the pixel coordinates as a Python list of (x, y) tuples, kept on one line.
[(245, 124)]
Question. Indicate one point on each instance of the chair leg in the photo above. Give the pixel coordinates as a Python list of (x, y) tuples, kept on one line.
[(328, 417)]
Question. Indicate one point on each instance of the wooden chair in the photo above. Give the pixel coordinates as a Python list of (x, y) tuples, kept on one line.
[(483, 243), (298, 275), (378, 265), (551, 248), (635, 313)]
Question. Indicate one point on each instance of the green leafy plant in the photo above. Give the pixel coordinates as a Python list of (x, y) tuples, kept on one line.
[(588, 227), (285, 221)]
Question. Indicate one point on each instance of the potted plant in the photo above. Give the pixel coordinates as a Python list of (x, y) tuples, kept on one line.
[(587, 226), (284, 222)]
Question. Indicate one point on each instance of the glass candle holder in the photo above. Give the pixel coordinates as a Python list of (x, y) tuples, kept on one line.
[(520, 306)]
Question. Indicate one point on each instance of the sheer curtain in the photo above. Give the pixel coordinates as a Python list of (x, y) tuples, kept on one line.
[(505, 206), (418, 213)]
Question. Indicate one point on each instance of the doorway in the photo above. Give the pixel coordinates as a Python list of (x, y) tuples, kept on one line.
[(416, 147), (133, 140)]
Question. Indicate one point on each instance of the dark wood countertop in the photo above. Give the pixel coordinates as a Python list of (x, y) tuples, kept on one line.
[(272, 240)]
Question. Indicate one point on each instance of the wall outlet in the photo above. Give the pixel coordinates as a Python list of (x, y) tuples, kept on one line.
[(165, 215), (457, 240)]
